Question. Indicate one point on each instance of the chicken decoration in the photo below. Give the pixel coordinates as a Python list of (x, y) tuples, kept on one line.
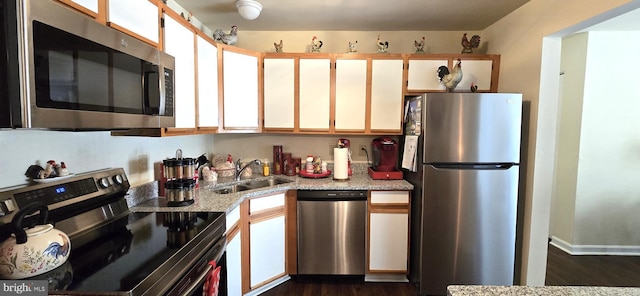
[(469, 45), (383, 46), (473, 87), (315, 44), (353, 47), (278, 46), (56, 250), (230, 39), (419, 45), (450, 79)]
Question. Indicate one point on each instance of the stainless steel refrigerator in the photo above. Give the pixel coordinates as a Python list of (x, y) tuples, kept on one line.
[(466, 188)]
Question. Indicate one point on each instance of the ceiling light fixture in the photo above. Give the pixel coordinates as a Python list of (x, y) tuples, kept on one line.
[(249, 9)]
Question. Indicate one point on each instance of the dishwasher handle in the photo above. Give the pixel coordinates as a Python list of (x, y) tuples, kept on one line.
[(332, 195)]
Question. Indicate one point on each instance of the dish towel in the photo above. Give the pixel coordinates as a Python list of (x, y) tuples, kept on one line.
[(212, 283), (410, 153)]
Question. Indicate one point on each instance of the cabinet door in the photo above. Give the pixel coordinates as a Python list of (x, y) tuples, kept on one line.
[(267, 250), (207, 83), (388, 241), (477, 72), (179, 42), (386, 95), (315, 94), (351, 95), (279, 96), (90, 5), (139, 17), (423, 75), (234, 265), (240, 72)]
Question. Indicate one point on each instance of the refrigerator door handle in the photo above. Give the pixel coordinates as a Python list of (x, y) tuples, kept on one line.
[(474, 166)]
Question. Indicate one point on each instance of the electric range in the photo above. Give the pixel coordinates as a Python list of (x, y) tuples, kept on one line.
[(115, 251)]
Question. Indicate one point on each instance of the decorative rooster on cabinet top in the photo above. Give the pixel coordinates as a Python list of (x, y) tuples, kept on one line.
[(450, 79), (469, 45), (419, 45), (383, 46), (230, 39), (315, 44), (278, 46)]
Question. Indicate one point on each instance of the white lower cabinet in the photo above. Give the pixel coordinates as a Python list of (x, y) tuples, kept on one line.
[(388, 241), (388, 236), (234, 265), (267, 250)]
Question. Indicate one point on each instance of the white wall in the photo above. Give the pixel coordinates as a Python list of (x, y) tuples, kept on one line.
[(520, 38), (87, 151), (573, 64), (608, 191)]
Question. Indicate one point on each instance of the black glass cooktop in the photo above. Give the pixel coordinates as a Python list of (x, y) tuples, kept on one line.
[(121, 260)]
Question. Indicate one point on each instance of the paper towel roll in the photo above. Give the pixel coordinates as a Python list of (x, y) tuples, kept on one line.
[(340, 163)]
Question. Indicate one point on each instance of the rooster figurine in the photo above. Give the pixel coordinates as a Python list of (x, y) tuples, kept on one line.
[(278, 46), (315, 44), (468, 46), (230, 39), (450, 79), (353, 47), (382, 46), (419, 45)]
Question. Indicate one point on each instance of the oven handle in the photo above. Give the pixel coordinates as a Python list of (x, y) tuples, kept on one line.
[(198, 282)]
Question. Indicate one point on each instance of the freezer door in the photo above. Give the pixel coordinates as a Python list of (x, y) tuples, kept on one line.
[(469, 227), (472, 127)]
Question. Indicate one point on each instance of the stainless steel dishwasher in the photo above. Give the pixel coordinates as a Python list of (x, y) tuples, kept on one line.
[(331, 232)]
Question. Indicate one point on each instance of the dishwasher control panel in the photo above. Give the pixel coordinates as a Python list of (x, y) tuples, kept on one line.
[(332, 194)]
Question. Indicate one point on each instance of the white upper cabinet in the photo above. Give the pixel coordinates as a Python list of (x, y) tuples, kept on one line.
[(386, 95), (207, 83), (423, 74), (279, 93), (315, 94), (477, 72), (91, 5), (351, 94), (179, 42), (240, 72), (139, 17)]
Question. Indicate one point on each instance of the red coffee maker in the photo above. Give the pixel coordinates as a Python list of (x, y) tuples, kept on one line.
[(385, 160)]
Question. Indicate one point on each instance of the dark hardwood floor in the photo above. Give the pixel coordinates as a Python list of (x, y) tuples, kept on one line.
[(562, 270), (585, 270)]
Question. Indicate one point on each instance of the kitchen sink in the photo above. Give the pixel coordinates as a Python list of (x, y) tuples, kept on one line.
[(251, 185), (267, 183), (232, 189)]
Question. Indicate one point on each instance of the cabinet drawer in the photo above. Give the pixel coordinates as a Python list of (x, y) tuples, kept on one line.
[(267, 202), (390, 197)]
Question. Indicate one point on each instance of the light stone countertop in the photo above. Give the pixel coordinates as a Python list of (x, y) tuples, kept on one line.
[(460, 290), (208, 201)]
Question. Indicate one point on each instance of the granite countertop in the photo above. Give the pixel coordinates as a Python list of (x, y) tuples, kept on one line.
[(208, 201), (456, 290)]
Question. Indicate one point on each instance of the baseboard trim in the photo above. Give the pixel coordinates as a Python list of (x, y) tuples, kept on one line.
[(386, 277), (595, 249)]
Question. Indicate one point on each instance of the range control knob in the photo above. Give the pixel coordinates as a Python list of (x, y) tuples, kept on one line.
[(103, 182), (117, 179)]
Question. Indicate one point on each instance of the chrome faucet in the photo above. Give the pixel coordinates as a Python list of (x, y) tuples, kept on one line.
[(239, 169)]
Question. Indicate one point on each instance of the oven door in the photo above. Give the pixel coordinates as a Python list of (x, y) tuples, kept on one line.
[(203, 276)]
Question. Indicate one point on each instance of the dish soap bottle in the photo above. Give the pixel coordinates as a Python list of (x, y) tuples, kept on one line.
[(265, 168)]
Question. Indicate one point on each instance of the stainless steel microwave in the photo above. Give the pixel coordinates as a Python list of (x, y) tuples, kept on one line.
[(63, 70)]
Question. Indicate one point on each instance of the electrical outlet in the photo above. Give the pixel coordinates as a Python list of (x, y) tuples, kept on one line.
[(362, 150), (142, 163), (331, 149)]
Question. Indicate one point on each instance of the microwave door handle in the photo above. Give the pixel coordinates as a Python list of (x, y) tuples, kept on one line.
[(148, 108), (161, 90)]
